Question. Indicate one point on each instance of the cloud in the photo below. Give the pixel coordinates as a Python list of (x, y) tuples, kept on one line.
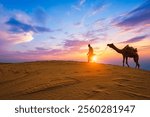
[(41, 53), (76, 7), (40, 16), (135, 39), (34, 55), (78, 24), (52, 37), (97, 30), (79, 5), (7, 38), (140, 15), (77, 43), (41, 48), (146, 46), (21, 16), (59, 29), (101, 24), (42, 29), (99, 7), (71, 43), (17, 26), (82, 2)]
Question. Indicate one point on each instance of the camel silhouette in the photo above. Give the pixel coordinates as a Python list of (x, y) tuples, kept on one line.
[(126, 52)]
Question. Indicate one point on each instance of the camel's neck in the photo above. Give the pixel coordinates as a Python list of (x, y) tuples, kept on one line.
[(117, 49)]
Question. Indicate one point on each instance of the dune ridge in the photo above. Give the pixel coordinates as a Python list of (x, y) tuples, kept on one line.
[(66, 80)]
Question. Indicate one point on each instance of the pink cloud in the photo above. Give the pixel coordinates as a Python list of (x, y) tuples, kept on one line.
[(78, 43), (135, 39), (12, 38)]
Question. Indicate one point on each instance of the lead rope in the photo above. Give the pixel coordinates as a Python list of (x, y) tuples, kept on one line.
[(103, 51)]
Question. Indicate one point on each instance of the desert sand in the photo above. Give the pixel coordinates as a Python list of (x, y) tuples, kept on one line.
[(62, 80)]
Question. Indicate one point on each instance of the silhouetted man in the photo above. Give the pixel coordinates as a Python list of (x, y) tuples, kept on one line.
[(90, 53)]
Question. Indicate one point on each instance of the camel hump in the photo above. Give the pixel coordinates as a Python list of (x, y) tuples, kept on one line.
[(126, 47), (130, 48)]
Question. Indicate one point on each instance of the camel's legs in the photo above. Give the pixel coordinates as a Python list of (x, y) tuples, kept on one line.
[(127, 61), (137, 63), (123, 60)]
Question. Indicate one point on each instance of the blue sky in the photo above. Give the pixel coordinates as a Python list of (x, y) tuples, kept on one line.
[(52, 29)]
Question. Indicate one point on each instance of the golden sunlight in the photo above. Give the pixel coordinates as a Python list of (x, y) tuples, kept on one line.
[(94, 58)]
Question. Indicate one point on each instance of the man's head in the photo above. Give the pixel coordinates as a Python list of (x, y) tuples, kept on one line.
[(89, 45)]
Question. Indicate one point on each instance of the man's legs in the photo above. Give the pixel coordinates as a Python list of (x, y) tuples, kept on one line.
[(89, 58)]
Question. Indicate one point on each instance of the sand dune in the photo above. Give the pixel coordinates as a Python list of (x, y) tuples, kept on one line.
[(72, 80)]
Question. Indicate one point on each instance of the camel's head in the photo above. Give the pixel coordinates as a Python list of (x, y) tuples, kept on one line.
[(110, 45)]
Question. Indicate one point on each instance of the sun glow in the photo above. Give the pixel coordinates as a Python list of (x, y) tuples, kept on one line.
[(94, 58)]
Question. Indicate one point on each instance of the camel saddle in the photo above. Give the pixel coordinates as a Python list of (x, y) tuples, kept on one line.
[(130, 48)]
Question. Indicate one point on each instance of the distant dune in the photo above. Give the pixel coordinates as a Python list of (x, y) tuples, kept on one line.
[(64, 80)]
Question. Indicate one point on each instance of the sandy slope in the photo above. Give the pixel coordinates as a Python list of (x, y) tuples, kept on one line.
[(72, 80)]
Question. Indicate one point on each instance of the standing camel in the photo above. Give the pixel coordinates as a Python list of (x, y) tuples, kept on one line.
[(127, 52)]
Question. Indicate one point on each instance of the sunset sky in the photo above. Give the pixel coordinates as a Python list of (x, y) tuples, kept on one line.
[(33, 30)]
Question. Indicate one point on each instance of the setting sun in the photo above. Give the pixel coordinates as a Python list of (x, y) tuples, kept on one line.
[(94, 58)]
